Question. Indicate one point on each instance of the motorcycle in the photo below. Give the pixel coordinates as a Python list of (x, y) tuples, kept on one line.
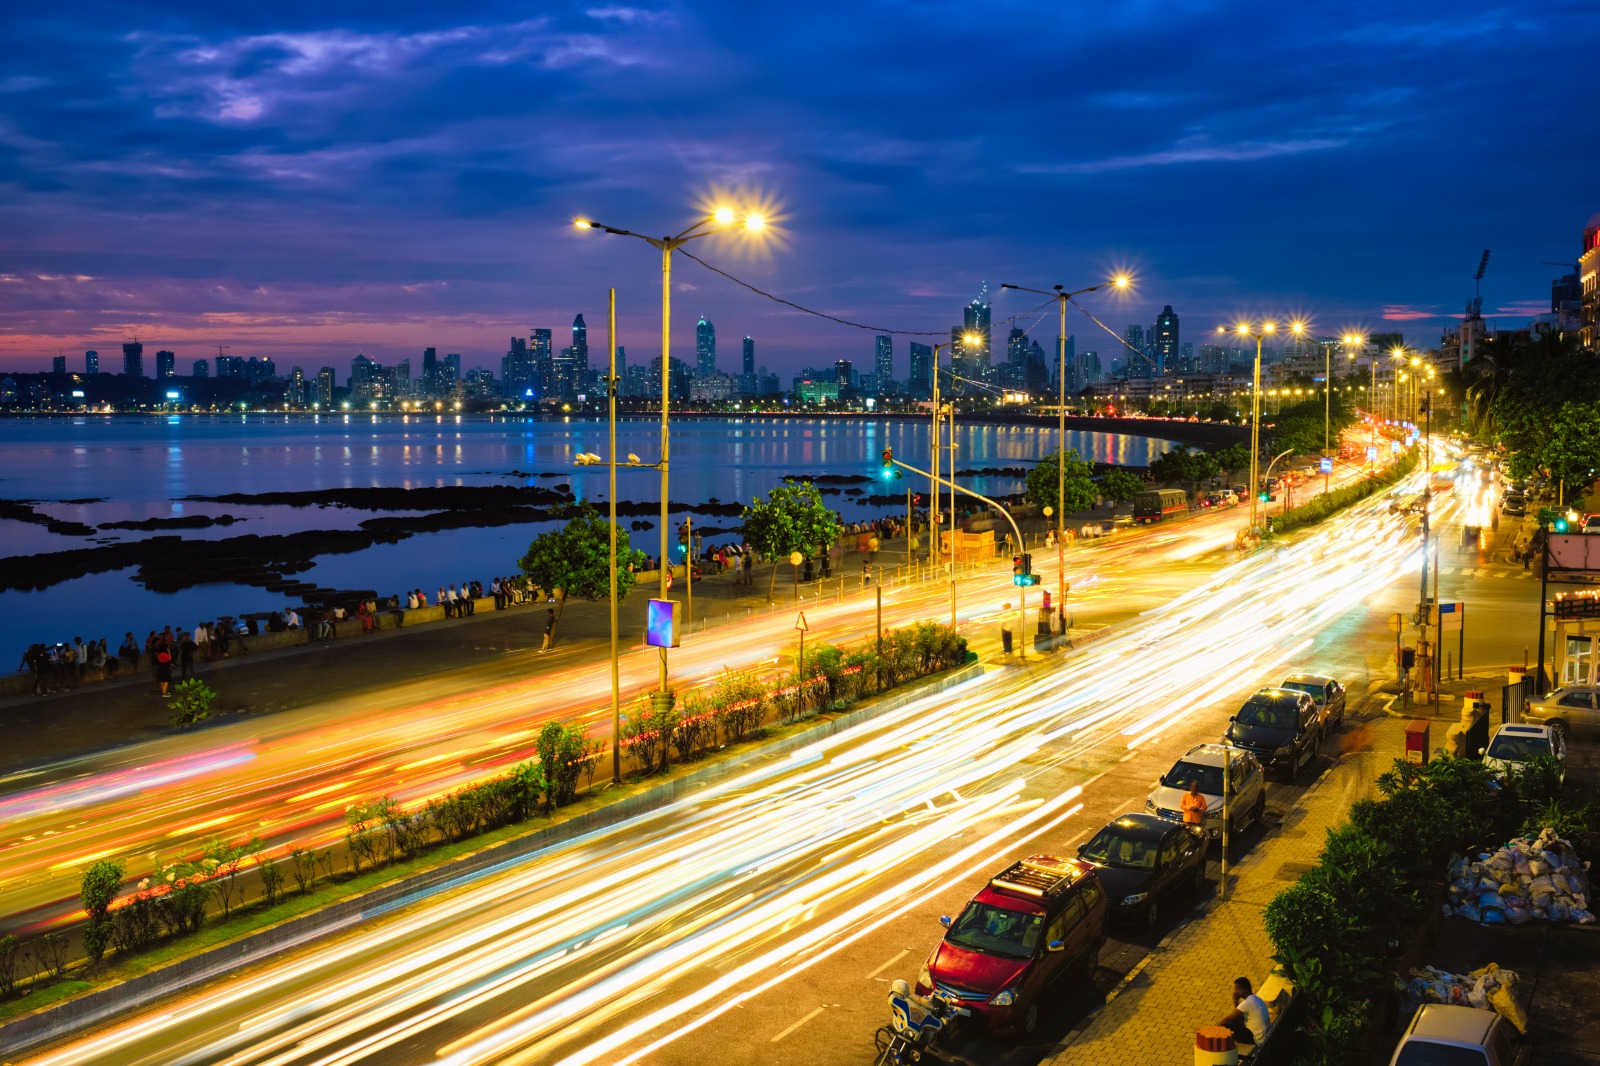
[(917, 1026)]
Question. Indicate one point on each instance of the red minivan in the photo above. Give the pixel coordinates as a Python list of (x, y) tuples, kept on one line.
[(1034, 922)]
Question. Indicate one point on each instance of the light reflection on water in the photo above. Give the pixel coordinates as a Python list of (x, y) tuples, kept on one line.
[(142, 467)]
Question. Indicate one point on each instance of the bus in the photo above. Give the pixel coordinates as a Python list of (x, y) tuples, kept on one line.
[(1156, 504)]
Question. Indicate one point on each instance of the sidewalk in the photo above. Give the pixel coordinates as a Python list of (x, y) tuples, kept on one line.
[(1152, 1015)]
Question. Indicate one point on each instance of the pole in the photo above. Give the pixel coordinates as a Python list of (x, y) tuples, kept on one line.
[(688, 570), (953, 607), (1461, 645), (1227, 802), (666, 403), (1061, 429), (1255, 435), (933, 476), (801, 669), (1544, 595), (878, 593), (611, 496), (1327, 405), (909, 527)]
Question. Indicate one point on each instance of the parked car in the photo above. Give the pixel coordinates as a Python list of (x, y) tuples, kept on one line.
[(1514, 505), (1280, 726), (1591, 524), (1140, 859), (1569, 708), (1513, 745), (1443, 1034), (1328, 694), (1204, 763), (1030, 926)]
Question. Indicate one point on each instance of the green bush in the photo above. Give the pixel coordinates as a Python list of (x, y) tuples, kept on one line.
[(99, 887), (191, 703), (8, 964), (1326, 505)]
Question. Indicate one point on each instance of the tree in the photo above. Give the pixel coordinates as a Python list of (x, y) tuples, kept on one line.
[(1120, 486), (1572, 450), (1079, 487), (99, 888), (575, 560), (792, 518), (1233, 458), (1183, 466)]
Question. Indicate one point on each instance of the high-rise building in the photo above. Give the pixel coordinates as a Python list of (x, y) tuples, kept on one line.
[(516, 370), (844, 373), (580, 348), (401, 376), (883, 365), (747, 377), (1134, 363), (91, 362), (975, 320), (297, 391), (230, 366), (919, 386), (430, 372), (323, 397), (636, 382), (201, 368), (133, 359), (541, 352), (450, 372), (705, 348), (58, 364), (1164, 341), (678, 381), (1089, 372), (1589, 279), (166, 365), (1186, 357)]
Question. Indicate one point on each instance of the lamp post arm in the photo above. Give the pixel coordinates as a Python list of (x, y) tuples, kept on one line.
[(962, 489)]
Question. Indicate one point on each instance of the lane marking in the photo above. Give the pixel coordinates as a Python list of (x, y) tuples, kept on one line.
[(903, 953), (797, 1025)]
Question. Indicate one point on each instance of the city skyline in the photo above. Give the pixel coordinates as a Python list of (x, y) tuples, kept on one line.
[(308, 184)]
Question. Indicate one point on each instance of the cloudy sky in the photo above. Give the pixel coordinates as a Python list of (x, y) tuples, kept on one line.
[(309, 181)]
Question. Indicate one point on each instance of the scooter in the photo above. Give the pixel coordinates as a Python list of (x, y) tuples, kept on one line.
[(916, 1028)]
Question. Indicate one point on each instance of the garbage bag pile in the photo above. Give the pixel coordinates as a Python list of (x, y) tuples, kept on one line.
[(1488, 988), (1522, 881)]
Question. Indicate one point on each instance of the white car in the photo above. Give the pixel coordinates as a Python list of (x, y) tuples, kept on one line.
[(1513, 745), (1204, 762)]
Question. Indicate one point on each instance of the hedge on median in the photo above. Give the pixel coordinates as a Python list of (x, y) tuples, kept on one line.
[(1328, 504)]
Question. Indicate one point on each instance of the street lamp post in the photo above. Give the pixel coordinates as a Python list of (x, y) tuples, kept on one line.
[(1062, 298), (933, 477), (720, 221), (1259, 332)]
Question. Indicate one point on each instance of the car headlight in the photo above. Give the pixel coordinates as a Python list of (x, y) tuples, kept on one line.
[(1004, 999), (1150, 805), (1135, 899), (1287, 749), (924, 978)]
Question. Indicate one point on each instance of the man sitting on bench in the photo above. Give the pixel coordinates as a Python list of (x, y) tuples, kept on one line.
[(1248, 1020)]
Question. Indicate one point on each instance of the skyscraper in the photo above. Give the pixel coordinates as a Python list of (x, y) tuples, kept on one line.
[(297, 390), (747, 379), (844, 373), (1130, 357), (323, 396), (430, 371), (450, 372), (133, 359), (883, 365), (516, 369), (91, 362), (919, 386), (58, 364), (1164, 344), (201, 368), (580, 347), (705, 348), (541, 352), (166, 365), (975, 319)]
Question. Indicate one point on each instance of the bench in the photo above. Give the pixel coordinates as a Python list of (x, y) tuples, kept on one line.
[(1277, 991)]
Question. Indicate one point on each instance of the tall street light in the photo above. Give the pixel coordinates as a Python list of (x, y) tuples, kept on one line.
[(1119, 282), (933, 478), (722, 220), (1258, 331)]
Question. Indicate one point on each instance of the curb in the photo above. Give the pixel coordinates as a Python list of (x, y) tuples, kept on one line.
[(58, 1021)]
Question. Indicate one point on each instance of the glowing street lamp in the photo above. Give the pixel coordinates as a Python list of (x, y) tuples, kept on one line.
[(1259, 331), (721, 219)]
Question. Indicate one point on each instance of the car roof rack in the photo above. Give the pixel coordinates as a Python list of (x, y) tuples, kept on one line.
[(1039, 876)]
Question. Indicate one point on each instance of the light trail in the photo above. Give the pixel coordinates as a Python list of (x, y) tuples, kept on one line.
[(741, 885)]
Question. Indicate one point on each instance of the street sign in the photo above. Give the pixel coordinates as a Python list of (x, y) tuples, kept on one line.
[(1397, 622), (661, 624), (800, 622), (1449, 615), (1327, 465), (1372, 453)]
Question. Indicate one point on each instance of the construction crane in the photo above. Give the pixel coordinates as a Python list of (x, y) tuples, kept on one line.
[(1476, 309)]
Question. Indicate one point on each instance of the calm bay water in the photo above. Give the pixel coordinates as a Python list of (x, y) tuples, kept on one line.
[(138, 468)]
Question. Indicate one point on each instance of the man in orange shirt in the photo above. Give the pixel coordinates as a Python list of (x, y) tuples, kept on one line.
[(1194, 806)]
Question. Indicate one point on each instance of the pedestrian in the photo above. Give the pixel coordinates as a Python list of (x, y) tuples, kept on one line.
[(163, 670), (549, 629), (105, 660), (496, 594), (447, 602), (1248, 1020), (1194, 805), (186, 649), (1005, 630), (130, 651)]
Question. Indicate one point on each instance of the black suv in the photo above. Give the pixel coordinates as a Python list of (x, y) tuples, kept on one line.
[(1281, 727), (1140, 859)]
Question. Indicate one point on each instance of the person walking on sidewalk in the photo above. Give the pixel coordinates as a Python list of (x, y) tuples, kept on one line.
[(549, 629), (163, 659), (1248, 1020), (1194, 806)]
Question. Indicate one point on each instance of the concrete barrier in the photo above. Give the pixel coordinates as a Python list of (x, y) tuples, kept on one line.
[(61, 1020)]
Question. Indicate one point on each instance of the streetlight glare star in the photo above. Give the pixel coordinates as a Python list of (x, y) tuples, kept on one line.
[(724, 215)]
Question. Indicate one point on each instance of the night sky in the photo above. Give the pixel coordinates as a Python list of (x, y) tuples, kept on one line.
[(309, 181)]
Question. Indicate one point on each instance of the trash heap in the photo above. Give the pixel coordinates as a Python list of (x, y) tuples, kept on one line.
[(1488, 988), (1522, 881)]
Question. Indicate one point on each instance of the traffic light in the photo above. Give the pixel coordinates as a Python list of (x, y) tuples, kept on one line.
[(889, 472), (1560, 525), (1022, 570), (1408, 658)]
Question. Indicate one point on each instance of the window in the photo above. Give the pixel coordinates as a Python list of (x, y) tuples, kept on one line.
[(1172, 847), (1072, 912), (996, 930), (1112, 847), (1578, 666), (1427, 1053), (1576, 699)]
